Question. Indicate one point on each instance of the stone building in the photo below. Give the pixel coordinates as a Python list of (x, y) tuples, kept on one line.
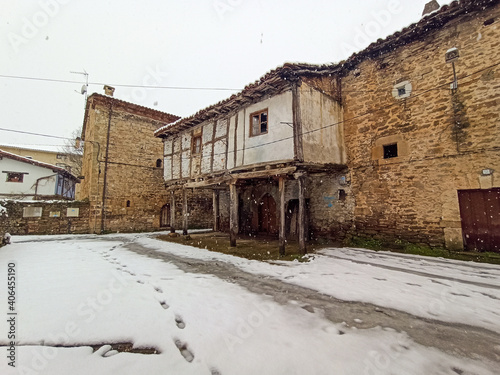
[(270, 155), (399, 142), (123, 167), (424, 149)]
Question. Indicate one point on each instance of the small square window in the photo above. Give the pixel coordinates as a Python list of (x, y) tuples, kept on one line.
[(196, 145), (391, 151), (259, 123), (15, 177), (401, 91)]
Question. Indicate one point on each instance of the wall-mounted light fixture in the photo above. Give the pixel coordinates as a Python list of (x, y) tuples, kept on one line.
[(451, 56)]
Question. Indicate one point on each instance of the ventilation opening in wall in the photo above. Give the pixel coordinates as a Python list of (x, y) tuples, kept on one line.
[(128, 203), (488, 22), (391, 151), (158, 163), (342, 195)]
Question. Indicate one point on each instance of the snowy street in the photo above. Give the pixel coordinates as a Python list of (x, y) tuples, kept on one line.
[(185, 310)]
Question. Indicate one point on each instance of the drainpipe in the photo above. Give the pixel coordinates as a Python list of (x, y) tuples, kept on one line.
[(103, 205)]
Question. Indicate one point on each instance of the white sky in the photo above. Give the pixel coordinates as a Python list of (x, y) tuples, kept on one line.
[(188, 43)]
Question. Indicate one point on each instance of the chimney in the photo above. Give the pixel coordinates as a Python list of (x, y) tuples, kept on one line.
[(430, 7), (108, 90)]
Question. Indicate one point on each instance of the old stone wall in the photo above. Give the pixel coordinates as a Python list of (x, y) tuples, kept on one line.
[(200, 203), (125, 174), (40, 217), (331, 205), (444, 137)]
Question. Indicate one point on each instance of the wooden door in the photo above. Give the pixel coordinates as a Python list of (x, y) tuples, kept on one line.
[(267, 215), (165, 216), (480, 216)]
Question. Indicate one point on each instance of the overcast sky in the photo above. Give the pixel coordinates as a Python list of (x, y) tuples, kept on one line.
[(192, 44)]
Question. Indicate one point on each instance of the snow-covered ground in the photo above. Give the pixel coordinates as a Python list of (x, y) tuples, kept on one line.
[(76, 291)]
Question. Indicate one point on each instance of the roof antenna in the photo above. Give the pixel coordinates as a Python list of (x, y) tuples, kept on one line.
[(85, 88)]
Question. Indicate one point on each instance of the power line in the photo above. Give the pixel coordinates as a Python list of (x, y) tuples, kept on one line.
[(120, 85), (37, 134), (369, 112)]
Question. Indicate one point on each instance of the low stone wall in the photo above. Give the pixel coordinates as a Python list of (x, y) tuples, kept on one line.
[(59, 217)]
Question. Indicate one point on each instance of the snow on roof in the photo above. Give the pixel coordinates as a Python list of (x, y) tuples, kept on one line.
[(435, 20), (47, 148)]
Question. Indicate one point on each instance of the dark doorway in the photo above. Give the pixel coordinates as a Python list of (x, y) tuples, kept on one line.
[(165, 216), (480, 216), (267, 215)]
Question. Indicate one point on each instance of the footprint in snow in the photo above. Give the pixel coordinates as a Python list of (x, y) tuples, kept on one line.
[(140, 281), (185, 352), (158, 289), (180, 323), (164, 305)]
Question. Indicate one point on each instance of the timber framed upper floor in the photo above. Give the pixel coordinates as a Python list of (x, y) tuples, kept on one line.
[(290, 118)]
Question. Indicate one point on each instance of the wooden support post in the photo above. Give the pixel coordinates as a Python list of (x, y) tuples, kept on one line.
[(185, 213), (216, 210), (302, 216), (281, 187), (233, 217), (172, 211)]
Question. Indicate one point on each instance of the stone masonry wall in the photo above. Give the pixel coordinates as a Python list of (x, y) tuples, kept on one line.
[(135, 191), (53, 220), (445, 138)]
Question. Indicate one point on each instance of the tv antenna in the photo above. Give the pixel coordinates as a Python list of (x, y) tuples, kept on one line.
[(85, 88)]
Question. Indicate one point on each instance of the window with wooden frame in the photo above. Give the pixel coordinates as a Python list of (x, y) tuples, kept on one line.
[(196, 144), (258, 123), (15, 177)]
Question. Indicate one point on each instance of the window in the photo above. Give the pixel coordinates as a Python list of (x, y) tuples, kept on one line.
[(59, 156), (158, 163), (15, 177), (391, 151), (196, 148), (402, 90), (128, 204), (342, 195), (258, 122)]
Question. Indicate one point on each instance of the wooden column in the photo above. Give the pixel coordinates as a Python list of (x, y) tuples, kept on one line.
[(302, 216), (297, 122), (172, 211), (233, 217), (216, 210), (281, 187), (185, 213)]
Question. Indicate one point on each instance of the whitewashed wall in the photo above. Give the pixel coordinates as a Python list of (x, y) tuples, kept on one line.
[(223, 137), (27, 187)]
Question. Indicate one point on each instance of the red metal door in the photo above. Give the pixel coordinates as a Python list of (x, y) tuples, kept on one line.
[(480, 216)]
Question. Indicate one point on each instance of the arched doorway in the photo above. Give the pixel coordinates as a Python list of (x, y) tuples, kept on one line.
[(267, 215), (165, 216)]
